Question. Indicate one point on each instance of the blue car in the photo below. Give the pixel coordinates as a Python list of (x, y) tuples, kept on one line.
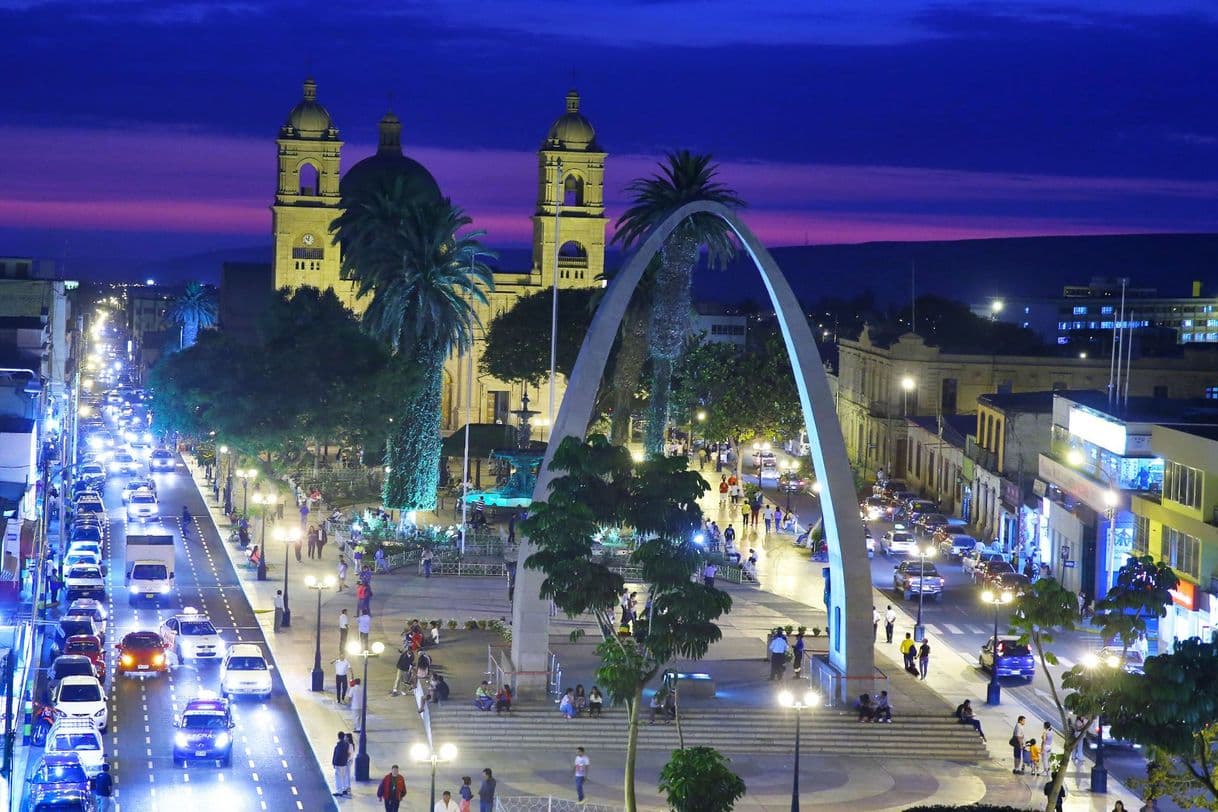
[(58, 783), (1012, 659), (204, 732)]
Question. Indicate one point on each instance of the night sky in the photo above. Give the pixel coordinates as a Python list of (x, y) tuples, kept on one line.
[(136, 132)]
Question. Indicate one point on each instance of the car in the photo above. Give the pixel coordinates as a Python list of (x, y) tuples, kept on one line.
[(1011, 659), (914, 576), (124, 463), (897, 542), (80, 486), (77, 736), (141, 653), (889, 488), (930, 523), (162, 460), (92, 472), (192, 635), (988, 572), (84, 581), (89, 519), (93, 506), (955, 545), (979, 555), (793, 482), (93, 608), (1093, 733), (85, 546), (89, 531), (870, 539), (203, 732), (55, 778), (917, 507), (90, 646), (1013, 582), (70, 665), (72, 625), (85, 557), (245, 671), (1131, 661), (81, 698), (875, 508), (142, 507), (137, 484)]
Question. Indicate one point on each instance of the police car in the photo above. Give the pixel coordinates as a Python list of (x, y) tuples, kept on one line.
[(192, 635), (203, 732)]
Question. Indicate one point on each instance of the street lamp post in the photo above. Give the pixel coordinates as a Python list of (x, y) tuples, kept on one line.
[(1099, 773), (245, 475), (289, 536), (422, 754), (320, 585), (361, 759), (810, 699), (993, 693), (264, 501), (923, 554), (789, 469)]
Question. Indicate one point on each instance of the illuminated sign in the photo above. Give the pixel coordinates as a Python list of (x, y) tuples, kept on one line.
[(1185, 596), (1107, 434)]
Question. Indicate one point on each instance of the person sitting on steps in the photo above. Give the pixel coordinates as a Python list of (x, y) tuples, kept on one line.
[(503, 700), (866, 708), (964, 712), (883, 709)]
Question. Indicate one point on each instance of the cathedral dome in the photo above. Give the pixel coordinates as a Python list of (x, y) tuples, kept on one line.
[(572, 130), (308, 118), (387, 165)]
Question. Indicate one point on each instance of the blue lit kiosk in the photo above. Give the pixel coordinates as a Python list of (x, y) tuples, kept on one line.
[(516, 467)]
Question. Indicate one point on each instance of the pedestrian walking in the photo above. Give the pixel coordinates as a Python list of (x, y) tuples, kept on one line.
[(769, 519), (1016, 742), (342, 573), (797, 663), (890, 622), (1076, 755), (924, 658), (466, 793), (102, 787), (723, 488), (778, 654), (323, 536), (875, 624), (746, 511), (304, 514), (446, 803), (580, 771), (486, 792), (278, 608), (909, 650), (297, 545), (343, 623), (364, 624), (342, 668), (392, 789), (426, 561), (405, 664), (340, 761), (1047, 737), (357, 704), (708, 574), (313, 539)]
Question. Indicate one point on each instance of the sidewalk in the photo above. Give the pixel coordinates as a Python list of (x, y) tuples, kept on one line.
[(394, 724)]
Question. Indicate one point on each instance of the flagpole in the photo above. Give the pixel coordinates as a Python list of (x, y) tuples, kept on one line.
[(554, 302)]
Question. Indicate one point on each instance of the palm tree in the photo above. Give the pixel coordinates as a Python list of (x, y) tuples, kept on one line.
[(683, 178), (194, 310), (425, 282)]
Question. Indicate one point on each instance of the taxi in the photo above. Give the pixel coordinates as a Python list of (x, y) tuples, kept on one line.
[(192, 635), (203, 731), (142, 653)]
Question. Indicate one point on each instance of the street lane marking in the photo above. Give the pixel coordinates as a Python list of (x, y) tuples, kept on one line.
[(952, 628)]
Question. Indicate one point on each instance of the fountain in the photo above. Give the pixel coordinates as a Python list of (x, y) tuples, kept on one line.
[(518, 466)]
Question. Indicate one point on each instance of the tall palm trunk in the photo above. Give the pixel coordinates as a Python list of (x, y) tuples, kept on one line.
[(627, 368), (669, 327), (657, 410), (190, 332), (413, 451), (632, 746)]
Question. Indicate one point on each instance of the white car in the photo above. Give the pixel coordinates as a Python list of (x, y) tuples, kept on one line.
[(132, 486), (77, 736), (80, 698), (84, 581), (897, 542), (162, 460), (124, 463), (193, 635), (245, 670), (82, 546), (92, 472), (142, 507), (88, 557)]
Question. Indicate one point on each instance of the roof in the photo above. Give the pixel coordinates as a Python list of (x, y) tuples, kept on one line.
[(308, 118), (483, 439), (1149, 409), (1029, 401), (1209, 432), (572, 131), (381, 170)]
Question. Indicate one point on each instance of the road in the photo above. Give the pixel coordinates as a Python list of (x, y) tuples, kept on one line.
[(273, 766)]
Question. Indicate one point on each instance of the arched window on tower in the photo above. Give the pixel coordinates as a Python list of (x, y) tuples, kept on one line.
[(308, 180), (573, 191), (572, 261)]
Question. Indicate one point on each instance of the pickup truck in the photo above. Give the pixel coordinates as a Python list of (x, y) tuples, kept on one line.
[(913, 577), (149, 566)]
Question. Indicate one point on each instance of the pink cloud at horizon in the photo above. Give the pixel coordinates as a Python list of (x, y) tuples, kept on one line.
[(179, 181)]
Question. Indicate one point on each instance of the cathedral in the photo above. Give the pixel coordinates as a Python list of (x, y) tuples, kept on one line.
[(568, 231)]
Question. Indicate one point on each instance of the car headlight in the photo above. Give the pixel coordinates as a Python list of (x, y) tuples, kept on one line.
[(164, 588), (100, 713), (222, 740), (135, 588), (180, 740)]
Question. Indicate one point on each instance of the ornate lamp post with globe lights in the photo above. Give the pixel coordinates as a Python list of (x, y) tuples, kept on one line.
[(289, 536), (808, 699), (420, 753), (361, 759), (320, 586)]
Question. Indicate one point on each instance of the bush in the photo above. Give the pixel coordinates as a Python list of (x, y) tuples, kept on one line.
[(452, 624)]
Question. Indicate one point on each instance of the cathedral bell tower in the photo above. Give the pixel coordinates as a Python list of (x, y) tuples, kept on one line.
[(570, 203), (307, 199)]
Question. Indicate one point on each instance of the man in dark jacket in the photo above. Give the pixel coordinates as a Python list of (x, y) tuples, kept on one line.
[(392, 790), (342, 771), (486, 792)]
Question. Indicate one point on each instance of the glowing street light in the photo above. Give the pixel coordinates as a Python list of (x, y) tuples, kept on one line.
[(993, 693), (809, 699), (289, 536), (908, 384), (265, 501), (361, 759), (420, 753), (319, 585)]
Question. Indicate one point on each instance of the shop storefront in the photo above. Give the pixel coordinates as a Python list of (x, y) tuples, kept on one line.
[(1189, 615), (1065, 545)]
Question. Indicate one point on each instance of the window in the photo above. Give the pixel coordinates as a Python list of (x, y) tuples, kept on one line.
[(308, 180), (1141, 535), (1211, 393), (1182, 484), (1080, 310), (1059, 386), (947, 396), (1106, 310), (1182, 551), (1186, 323), (308, 253)]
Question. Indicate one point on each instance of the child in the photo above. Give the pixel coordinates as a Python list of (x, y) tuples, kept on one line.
[(1031, 756)]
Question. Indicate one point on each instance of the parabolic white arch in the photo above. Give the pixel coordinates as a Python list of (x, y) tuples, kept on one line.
[(850, 638)]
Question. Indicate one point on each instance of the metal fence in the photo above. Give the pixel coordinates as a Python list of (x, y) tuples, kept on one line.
[(548, 803), (498, 675), (728, 573)]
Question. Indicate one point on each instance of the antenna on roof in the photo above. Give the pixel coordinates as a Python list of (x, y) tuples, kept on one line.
[(913, 297), (1128, 357)]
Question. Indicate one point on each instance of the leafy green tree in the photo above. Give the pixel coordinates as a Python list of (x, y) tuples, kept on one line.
[(1141, 590), (518, 340), (425, 282), (602, 487), (700, 779), (194, 310), (683, 178)]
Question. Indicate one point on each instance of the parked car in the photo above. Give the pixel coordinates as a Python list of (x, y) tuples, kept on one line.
[(72, 625), (80, 698), (88, 645), (979, 555), (914, 576), (1011, 659), (133, 485), (889, 488), (918, 507), (955, 545), (77, 736), (1013, 582), (897, 542), (70, 665), (930, 523), (92, 472), (988, 572)]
